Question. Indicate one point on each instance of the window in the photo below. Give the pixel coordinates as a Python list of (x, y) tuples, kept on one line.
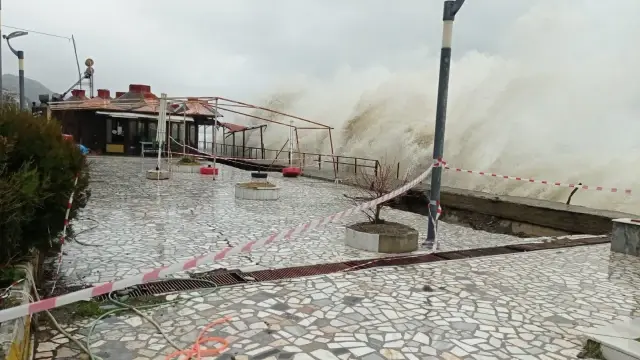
[(153, 129), (109, 138), (192, 134), (175, 132), (141, 131)]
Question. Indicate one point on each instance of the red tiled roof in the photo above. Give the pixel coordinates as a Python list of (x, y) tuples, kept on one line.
[(139, 98), (196, 107), (232, 127)]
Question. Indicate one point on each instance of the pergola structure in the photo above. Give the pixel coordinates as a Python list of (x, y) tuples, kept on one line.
[(139, 102)]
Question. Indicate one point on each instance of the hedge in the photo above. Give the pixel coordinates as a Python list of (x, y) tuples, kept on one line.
[(37, 173)]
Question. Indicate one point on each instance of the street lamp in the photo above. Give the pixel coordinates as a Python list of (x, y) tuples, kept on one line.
[(20, 55), (451, 8)]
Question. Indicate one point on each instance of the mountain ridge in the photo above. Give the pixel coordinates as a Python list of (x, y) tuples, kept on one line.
[(32, 88)]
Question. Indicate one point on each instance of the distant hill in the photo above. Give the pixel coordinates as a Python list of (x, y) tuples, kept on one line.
[(32, 88)]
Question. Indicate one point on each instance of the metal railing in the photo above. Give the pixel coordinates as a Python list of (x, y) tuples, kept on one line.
[(307, 160)]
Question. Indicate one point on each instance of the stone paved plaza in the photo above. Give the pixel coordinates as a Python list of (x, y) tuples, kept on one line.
[(138, 224), (522, 306), (519, 306)]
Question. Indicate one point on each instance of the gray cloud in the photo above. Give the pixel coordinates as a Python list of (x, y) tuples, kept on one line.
[(238, 47)]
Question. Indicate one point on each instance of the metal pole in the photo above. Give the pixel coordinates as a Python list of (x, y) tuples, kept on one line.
[(184, 130), (162, 127), (215, 125), (451, 7), (1, 87), (21, 77), (290, 142)]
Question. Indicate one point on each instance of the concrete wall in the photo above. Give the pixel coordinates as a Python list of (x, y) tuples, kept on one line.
[(16, 335), (503, 214)]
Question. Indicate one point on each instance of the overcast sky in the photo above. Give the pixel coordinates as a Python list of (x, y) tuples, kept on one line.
[(238, 48)]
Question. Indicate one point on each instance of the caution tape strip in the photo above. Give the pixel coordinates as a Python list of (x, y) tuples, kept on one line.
[(545, 182), (86, 294)]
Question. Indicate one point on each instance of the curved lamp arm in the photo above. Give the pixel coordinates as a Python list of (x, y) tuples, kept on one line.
[(14, 51)]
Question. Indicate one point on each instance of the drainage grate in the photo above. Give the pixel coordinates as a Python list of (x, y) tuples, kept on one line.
[(224, 277)]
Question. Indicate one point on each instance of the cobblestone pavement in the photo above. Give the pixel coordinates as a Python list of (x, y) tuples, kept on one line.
[(136, 224), (521, 306)]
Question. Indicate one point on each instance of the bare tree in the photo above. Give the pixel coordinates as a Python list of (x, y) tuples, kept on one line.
[(373, 186)]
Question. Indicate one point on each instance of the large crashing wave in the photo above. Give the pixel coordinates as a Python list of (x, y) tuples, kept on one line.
[(560, 101)]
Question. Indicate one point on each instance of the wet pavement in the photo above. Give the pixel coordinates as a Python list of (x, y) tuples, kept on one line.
[(136, 224), (519, 306)]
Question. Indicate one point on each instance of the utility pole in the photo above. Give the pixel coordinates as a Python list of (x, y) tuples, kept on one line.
[(1, 88), (451, 8), (20, 55)]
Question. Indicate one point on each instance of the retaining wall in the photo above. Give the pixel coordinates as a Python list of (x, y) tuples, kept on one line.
[(15, 335), (483, 211)]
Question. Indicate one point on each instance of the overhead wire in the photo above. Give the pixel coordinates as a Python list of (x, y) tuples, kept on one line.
[(37, 32)]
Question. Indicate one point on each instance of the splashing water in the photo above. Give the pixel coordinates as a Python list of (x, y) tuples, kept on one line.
[(559, 102)]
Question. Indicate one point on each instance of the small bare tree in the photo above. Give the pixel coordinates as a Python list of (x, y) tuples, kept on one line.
[(373, 186)]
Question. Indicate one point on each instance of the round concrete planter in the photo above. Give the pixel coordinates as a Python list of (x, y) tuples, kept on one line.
[(158, 174), (390, 237), (253, 191)]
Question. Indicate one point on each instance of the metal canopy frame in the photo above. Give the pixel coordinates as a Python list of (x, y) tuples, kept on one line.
[(217, 104)]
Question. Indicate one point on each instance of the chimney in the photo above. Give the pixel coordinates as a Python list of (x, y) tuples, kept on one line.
[(78, 93), (119, 93), (139, 89), (104, 94)]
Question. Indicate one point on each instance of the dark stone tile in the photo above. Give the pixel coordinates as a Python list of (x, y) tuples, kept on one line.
[(340, 351), (266, 354), (285, 356), (281, 307), (559, 319), (352, 300)]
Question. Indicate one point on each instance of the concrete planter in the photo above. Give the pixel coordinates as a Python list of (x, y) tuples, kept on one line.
[(389, 237), (625, 237), (618, 340), (158, 174), (245, 192)]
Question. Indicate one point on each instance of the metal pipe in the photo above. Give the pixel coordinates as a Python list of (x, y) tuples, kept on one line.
[(21, 77), (1, 87), (184, 124), (335, 166), (262, 141), (276, 112), (298, 144), (253, 116), (290, 141), (215, 123), (451, 7)]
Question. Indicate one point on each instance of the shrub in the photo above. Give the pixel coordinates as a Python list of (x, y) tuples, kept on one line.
[(188, 160), (37, 172)]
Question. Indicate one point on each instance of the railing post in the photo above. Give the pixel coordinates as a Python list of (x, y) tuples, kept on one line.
[(398, 171), (319, 162), (375, 170), (337, 161), (355, 166)]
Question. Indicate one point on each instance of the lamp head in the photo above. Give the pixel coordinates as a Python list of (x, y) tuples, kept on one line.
[(15, 34)]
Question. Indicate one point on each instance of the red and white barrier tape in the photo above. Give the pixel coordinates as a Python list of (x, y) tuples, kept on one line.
[(86, 294), (63, 237), (545, 182)]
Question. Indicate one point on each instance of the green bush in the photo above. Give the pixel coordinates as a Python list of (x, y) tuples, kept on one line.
[(37, 173)]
